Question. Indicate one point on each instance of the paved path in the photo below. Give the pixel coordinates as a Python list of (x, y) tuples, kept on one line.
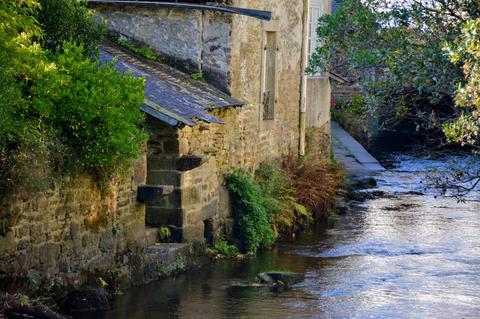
[(357, 160)]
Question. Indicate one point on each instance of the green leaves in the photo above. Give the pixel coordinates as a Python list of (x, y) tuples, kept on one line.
[(252, 211), (465, 51), (265, 206), (402, 44), (69, 21), (58, 106)]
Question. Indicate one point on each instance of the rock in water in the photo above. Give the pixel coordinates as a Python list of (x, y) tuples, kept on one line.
[(364, 183), (86, 300), (341, 206), (282, 278), (15, 309)]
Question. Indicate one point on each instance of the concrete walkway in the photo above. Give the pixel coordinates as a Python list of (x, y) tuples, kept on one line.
[(358, 162)]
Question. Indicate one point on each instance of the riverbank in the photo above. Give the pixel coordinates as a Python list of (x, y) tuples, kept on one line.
[(401, 255), (290, 196)]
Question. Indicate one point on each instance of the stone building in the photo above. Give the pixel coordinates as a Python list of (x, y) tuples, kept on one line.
[(253, 103), (251, 55)]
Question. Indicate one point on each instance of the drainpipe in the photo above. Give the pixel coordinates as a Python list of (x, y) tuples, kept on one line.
[(303, 88)]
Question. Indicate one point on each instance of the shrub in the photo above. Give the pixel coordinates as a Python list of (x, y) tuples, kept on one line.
[(69, 21), (95, 109), (277, 201), (60, 108), (317, 183), (224, 248), (288, 213), (252, 211)]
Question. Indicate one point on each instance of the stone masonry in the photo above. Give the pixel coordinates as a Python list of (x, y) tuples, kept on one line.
[(72, 230), (229, 50)]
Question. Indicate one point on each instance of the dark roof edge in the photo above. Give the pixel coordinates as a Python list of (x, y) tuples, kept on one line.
[(337, 77), (259, 14)]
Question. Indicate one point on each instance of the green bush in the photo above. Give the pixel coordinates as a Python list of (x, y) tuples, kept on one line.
[(95, 109), (60, 109), (353, 116), (224, 248), (252, 211), (69, 21)]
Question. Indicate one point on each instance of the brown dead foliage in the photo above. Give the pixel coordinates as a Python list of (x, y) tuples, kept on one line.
[(317, 182)]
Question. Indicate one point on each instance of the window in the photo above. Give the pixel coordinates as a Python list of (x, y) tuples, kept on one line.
[(269, 93), (316, 11)]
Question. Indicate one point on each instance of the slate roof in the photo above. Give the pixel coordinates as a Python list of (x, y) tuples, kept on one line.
[(170, 95)]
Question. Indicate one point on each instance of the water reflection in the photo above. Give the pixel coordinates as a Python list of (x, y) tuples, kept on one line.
[(406, 256)]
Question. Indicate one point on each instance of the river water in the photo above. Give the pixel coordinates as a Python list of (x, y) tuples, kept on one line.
[(400, 255)]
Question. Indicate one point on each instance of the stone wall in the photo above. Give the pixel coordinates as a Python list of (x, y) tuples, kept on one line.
[(233, 47), (345, 91), (267, 139), (190, 40), (318, 101), (229, 50), (193, 207), (73, 230), (350, 88)]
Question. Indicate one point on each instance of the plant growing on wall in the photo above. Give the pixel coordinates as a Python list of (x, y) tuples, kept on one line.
[(288, 213), (252, 211)]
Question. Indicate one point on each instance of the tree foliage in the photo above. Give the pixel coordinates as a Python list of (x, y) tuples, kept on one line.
[(69, 21), (397, 50), (58, 106), (465, 52)]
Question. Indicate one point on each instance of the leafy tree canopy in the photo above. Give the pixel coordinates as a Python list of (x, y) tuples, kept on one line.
[(397, 50), (465, 52)]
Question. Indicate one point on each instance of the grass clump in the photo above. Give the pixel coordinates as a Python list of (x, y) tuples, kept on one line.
[(198, 76), (165, 233), (142, 51), (224, 248)]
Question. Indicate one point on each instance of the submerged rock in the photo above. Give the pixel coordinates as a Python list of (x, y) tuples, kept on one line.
[(86, 300), (341, 206), (15, 308), (364, 183), (280, 278)]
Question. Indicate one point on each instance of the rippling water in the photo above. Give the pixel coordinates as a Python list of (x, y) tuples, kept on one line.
[(399, 256)]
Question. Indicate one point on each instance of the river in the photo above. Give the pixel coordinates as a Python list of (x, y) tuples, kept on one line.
[(400, 255)]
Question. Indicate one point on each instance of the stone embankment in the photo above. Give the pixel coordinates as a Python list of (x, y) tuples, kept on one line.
[(78, 233), (358, 162)]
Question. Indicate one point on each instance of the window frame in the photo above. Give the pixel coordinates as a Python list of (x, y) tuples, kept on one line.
[(313, 41), (269, 27)]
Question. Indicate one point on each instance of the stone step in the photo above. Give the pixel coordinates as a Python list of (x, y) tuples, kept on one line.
[(148, 193), (164, 177), (151, 233)]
